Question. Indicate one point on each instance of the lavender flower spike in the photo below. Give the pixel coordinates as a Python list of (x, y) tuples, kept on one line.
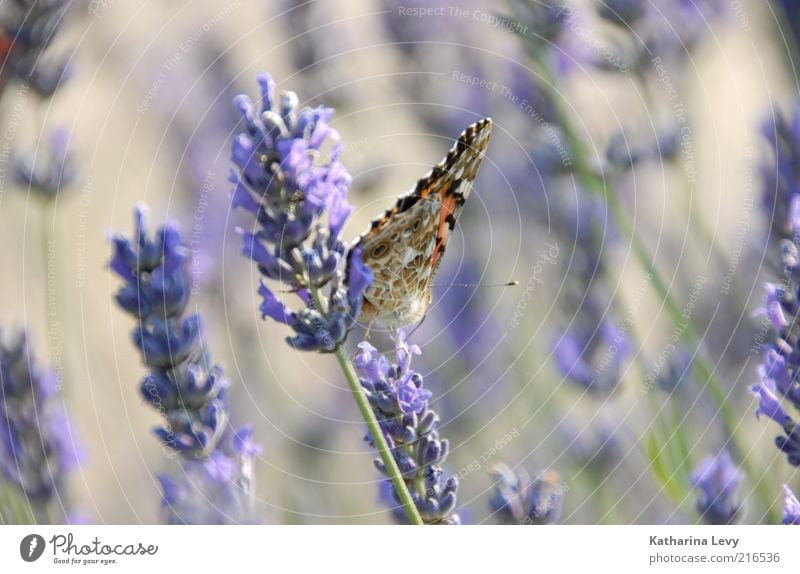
[(780, 173), (518, 500), (296, 193), (717, 479), (36, 448), (289, 185), (778, 373), (183, 384), (400, 402)]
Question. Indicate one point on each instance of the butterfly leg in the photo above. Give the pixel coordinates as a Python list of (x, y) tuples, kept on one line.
[(369, 328)]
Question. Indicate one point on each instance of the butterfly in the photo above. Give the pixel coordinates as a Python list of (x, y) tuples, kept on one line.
[(404, 247)]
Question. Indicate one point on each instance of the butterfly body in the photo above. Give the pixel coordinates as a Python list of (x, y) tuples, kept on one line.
[(404, 247)]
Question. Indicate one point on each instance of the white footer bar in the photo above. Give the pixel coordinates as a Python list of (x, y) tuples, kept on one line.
[(389, 549)]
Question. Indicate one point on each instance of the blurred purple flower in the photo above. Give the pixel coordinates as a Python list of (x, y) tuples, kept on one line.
[(516, 499), (49, 169), (593, 359), (791, 507), (212, 490), (27, 29), (36, 439), (717, 480)]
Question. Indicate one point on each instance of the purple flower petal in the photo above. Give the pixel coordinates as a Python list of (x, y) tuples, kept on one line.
[(791, 507), (769, 403), (272, 307)]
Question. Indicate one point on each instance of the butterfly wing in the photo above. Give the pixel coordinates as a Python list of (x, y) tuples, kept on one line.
[(404, 247)]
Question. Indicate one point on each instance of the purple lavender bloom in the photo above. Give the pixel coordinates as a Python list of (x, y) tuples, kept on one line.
[(769, 404), (778, 372), (568, 353), (789, 442), (773, 307), (396, 394), (774, 367), (717, 480), (593, 359), (791, 507), (287, 186), (516, 499), (214, 490), (182, 383), (48, 170), (780, 173), (36, 448), (27, 28)]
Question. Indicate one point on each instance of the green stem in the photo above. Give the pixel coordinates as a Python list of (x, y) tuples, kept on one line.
[(369, 417), (5, 505), (594, 184), (377, 436), (678, 414), (18, 511)]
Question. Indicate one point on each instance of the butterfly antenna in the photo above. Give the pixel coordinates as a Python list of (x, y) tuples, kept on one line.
[(506, 284), (417, 326)]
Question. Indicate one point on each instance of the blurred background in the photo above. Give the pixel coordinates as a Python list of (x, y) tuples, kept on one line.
[(576, 369)]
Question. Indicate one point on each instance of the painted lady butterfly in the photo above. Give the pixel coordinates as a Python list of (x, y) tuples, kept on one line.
[(404, 247)]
